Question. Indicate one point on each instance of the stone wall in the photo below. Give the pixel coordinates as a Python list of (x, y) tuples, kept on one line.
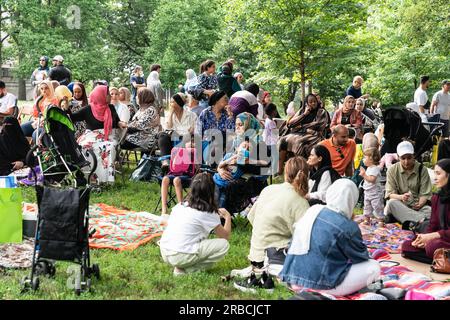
[(12, 84)]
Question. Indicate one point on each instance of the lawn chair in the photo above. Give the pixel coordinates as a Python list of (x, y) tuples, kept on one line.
[(25, 113)]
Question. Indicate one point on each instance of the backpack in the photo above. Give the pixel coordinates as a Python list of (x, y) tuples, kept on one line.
[(182, 162), (148, 169)]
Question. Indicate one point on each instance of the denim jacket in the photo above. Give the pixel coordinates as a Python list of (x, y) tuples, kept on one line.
[(336, 244)]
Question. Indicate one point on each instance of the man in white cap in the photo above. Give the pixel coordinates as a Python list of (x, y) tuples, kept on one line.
[(408, 188), (59, 72)]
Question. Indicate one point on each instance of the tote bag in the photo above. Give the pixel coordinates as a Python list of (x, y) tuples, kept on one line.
[(10, 215)]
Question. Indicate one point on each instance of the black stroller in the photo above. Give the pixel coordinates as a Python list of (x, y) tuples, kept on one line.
[(62, 229), (405, 124)]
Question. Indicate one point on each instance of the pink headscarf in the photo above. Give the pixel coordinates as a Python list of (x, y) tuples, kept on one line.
[(100, 108)]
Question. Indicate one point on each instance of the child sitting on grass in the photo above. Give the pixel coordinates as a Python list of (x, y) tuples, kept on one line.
[(373, 194), (184, 243)]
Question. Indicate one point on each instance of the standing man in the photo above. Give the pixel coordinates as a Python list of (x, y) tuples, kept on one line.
[(355, 89), (420, 96), (7, 102), (342, 150), (59, 72), (441, 104), (408, 188)]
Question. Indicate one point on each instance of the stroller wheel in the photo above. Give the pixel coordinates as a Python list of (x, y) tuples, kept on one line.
[(42, 268), (35, 284), (88, 285), (96, 270), (25, 283), (51, 270)]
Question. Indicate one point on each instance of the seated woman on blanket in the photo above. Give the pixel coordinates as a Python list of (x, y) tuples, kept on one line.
[(13, 146), (305, 130), (273, 215), (330, 244), (184, 243), (236, 163), (322, 175), (437, 234), (100, 117)]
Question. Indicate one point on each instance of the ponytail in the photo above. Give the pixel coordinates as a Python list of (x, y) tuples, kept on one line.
[(296, 172)]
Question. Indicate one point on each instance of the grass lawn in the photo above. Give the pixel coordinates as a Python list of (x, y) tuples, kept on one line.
[(141, 274)]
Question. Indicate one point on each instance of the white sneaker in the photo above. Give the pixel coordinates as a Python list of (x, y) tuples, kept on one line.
[(178, 272)]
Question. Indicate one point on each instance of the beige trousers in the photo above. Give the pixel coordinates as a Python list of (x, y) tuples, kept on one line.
[(209, 252)]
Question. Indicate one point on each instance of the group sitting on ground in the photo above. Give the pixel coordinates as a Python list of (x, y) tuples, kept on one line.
[(307, 220)]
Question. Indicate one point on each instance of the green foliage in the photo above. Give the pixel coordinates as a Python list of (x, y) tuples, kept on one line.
[(182, 34)]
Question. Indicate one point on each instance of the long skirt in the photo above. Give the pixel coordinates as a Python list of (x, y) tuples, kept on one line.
[(299, 143), (104, 151)]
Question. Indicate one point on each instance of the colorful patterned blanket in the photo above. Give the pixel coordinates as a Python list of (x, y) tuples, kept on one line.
[(388, 237), (119, 229), (397, 276)]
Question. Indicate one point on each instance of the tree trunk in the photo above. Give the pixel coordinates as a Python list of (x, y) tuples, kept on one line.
[(302, 74), (22, 91)]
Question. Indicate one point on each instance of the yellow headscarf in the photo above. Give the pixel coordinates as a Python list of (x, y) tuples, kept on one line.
[(62, 92)]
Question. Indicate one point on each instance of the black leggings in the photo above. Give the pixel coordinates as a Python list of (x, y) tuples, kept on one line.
[(165, 143)]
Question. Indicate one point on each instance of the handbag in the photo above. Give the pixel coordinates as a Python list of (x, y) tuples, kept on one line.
[(148, 169), (441, 261), (10, 215)]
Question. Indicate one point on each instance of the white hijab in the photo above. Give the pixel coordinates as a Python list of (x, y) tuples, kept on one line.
[(191, 79), (341, 197), (153, 78)]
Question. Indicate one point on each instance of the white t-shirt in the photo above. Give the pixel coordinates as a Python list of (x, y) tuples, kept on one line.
[(443, 104), (186, 228), (123, 112), (420, 97), (372, 171), (7, 102), (325, 182)]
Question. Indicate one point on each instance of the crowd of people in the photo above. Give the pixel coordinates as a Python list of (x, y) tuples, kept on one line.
[(302, 229)]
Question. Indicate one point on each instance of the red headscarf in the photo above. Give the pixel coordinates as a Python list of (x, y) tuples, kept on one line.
[(100, 108)]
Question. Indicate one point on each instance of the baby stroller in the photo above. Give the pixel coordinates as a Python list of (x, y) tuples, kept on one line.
[(405, 124), (62, 228)]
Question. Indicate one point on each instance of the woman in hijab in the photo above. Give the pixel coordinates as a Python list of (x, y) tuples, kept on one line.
[(80, 100), (212, 120), (330, 244), (100, 117), (227, 82), (13, 146), (437, 234), (303, 131), (47, 97), (322, 175), (191, 81), (236, 163), (40, 74), (154, 84)]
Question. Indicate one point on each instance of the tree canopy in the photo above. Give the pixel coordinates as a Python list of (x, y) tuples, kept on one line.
[(289, 47)]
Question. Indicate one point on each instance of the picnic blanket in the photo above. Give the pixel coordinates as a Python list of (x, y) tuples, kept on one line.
[(120, 229), (398, 276), (388, 237), (115, 229), (16, 255)]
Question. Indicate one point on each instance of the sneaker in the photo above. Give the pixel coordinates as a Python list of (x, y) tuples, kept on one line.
[(248, 285), (389, 218), (266, 282), (178, 272)]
